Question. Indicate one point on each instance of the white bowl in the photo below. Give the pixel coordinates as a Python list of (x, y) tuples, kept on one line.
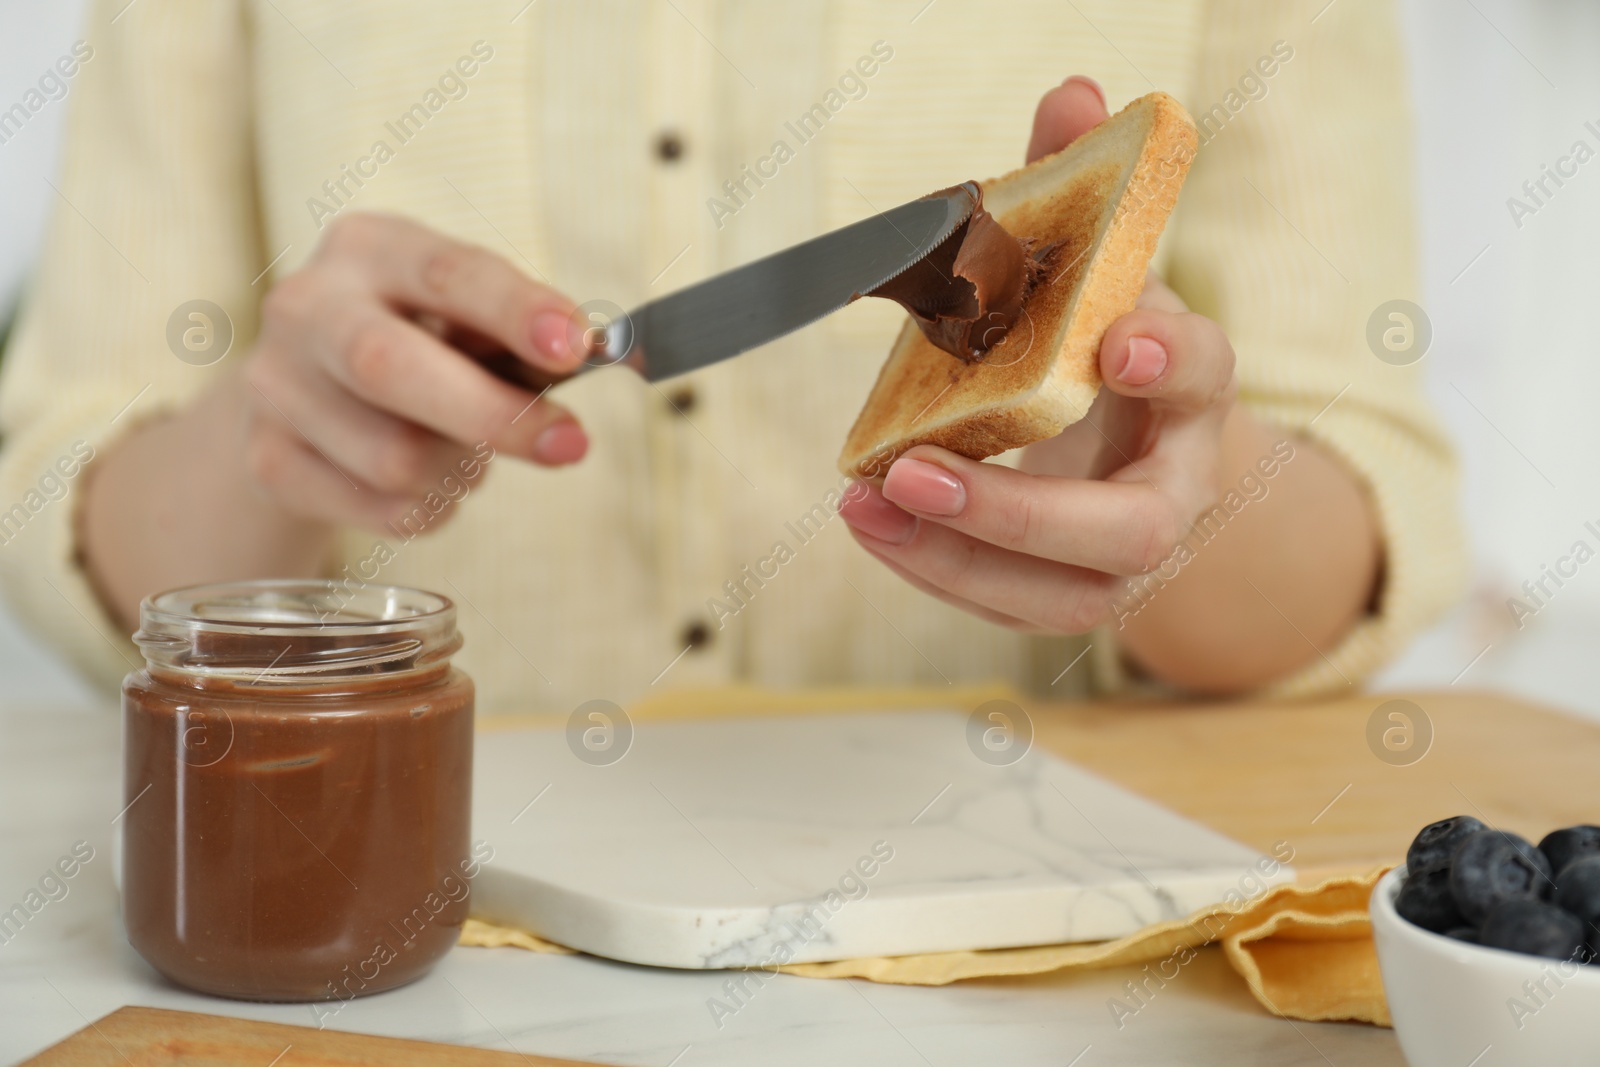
[(1456, 1004)]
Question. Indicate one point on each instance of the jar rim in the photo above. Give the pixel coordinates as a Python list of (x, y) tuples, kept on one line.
[(281, 629), (186, 605)]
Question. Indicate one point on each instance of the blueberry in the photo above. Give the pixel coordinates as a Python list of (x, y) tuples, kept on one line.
[(1463, 933), (1563, 846), (1435, 843), (1536, 928), (1491, 867), (1425, 901), (1578, 891)]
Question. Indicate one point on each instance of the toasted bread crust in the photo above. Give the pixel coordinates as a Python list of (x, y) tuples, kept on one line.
[(926, 396)]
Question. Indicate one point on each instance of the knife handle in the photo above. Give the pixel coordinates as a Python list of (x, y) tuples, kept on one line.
[(509, 367), (604, 332)]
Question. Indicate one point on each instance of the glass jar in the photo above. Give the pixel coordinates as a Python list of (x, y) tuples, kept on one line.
[(298, 780)]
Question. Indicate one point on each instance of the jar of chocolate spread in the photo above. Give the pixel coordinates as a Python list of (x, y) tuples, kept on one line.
[(298, 780)]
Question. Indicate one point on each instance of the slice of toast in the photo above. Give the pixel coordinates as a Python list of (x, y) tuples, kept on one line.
[(1098, 207)]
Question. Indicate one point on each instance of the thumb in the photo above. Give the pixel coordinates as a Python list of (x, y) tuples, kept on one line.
[(1066, 113)]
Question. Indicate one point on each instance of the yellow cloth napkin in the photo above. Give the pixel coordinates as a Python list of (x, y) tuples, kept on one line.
[(1305, 951)]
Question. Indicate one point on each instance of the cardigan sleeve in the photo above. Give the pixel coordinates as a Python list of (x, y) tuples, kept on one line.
[(1295, 232)]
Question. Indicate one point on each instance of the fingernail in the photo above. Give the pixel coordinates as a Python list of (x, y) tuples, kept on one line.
[(1145, 361), (925, 487), (874, 516), (549, 333), (565, 442), (1091, 83)]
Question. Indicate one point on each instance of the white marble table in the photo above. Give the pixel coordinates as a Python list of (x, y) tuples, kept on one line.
[(59, 784)]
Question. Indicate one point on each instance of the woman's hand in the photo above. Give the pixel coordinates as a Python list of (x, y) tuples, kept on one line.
[(1047, 548), (363, 391), (363, 401)]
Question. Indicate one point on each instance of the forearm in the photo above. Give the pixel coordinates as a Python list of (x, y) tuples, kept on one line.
[(1274, 587), (173, 505)]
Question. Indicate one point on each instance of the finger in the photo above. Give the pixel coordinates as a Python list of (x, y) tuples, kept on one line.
[(392, 364), (1182, 462), (1057, 597), (1066, 113), (386, 453), (465, 285), (305, 482), (1121, 527), (1183, 360), (870, 543)]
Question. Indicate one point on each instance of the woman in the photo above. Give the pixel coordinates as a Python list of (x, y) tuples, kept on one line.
[(371, 196)]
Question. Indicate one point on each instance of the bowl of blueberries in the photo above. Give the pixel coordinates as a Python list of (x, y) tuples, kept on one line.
[(1490, 946)]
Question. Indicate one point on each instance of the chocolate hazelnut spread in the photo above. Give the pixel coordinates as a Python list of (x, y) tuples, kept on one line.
[(298, 775), (968, 292)]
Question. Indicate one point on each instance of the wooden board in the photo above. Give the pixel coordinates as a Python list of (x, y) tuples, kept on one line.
[(1305, 773), (147, 1037)]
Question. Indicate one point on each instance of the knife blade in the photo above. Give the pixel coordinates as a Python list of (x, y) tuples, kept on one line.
[(748, 306)]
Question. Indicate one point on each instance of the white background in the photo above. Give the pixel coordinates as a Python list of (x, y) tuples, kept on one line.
[(1500, 88)]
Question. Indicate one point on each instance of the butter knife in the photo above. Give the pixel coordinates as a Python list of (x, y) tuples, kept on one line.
[(748, 306)]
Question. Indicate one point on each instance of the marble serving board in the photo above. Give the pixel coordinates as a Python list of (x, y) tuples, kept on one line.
[(746, 842)]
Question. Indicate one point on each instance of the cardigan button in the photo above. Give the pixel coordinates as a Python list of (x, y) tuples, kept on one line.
[(669, 146), (695, 635), (683, 400)]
